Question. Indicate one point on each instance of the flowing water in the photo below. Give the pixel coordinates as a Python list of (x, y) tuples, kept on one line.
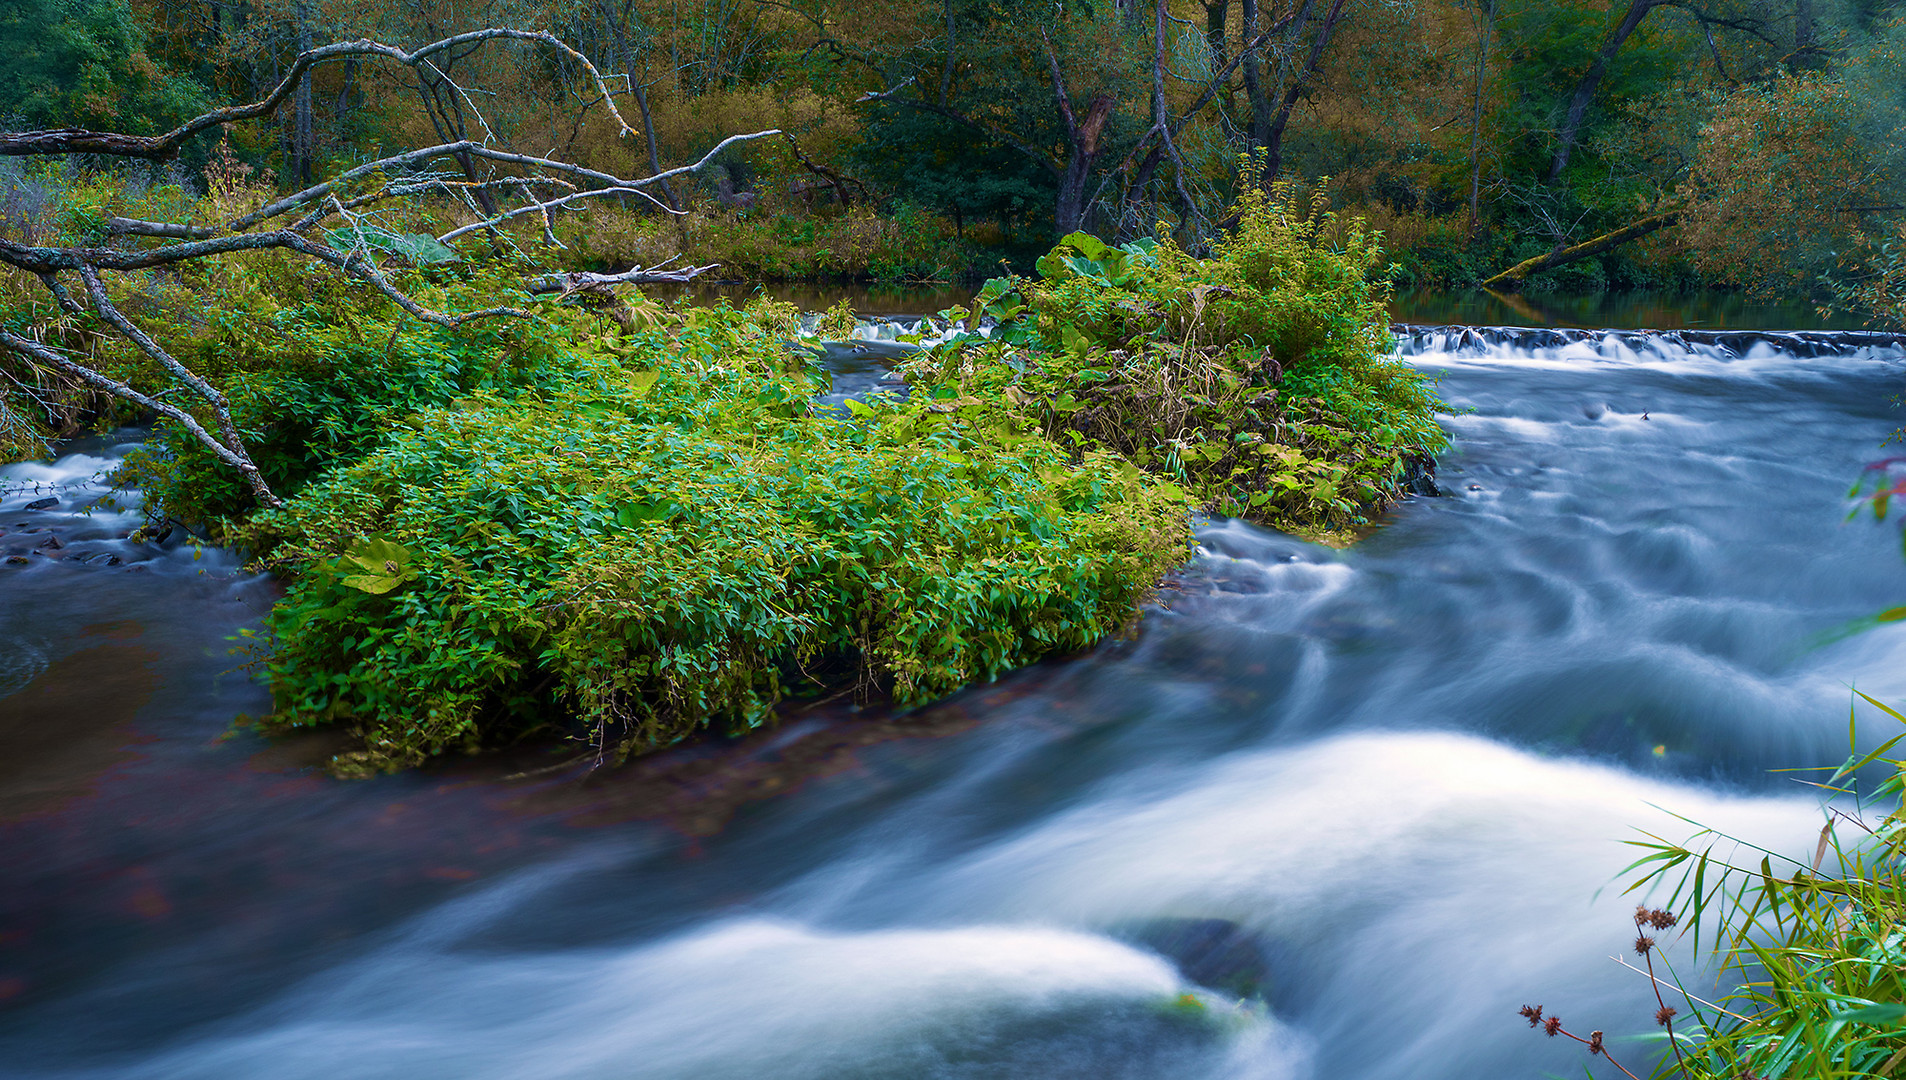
[(1328, 814)]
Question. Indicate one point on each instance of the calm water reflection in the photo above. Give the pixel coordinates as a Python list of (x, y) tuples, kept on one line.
[(1615, 310), (1610, 310)]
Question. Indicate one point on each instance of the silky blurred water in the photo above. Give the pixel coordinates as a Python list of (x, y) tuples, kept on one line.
[(1395, 781)]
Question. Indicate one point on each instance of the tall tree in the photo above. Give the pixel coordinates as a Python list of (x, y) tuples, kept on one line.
[(1269, 130), (625, 26), (1482, 14), (983, 72), (1591, 81)]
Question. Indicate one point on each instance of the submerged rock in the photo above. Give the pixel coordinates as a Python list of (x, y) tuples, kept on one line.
[(1419, 476), (1215, 953), (47, 503)]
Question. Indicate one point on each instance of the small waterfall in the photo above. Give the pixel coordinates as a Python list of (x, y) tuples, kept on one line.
[(1547, 342)]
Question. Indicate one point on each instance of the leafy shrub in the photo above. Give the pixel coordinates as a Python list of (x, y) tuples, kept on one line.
[(1878, 286), (1259, 379), (83, 63), (669, 538), (312, 390)]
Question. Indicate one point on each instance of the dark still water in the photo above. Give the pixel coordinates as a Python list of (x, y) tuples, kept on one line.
[(1329, 814), (1617, 310)]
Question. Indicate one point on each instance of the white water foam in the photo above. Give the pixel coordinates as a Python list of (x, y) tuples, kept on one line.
[(746, 997), (1461, 877)]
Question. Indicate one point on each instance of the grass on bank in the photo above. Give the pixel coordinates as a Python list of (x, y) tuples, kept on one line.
[(1813, 942)]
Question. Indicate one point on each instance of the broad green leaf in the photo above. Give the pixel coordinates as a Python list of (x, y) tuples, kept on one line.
[(641, 382), (1085, 244), (1887, 1014), (419, 248), (386, 565), (631, 514), (1076, 343)]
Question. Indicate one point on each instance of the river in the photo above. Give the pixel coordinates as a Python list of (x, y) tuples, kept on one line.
[(1328, 815)]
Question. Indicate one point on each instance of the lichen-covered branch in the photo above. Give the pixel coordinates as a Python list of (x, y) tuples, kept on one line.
[(1514, 276)]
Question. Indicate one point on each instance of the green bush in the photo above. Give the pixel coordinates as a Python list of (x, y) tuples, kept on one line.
[(318, 383), (1259, 379), (83, 63), (672, 538)]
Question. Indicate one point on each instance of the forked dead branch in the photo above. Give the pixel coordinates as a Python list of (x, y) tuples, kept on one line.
[(324, 222)]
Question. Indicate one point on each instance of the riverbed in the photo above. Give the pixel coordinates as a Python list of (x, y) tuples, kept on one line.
[(1329, 814)]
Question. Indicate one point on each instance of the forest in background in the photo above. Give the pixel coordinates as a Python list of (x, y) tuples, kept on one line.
[(1753, 144)]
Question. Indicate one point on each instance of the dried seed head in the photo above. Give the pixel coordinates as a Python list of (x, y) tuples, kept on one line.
[(1643, 944), (1665, 1015), (1552, 1025), (1595, 1043), (1531, 1013), (1660, 918)]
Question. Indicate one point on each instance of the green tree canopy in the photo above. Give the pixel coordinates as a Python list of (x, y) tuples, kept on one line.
[(83, 63)]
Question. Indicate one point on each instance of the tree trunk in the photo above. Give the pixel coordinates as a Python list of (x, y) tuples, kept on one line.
[(1485, 30), (1274, 138), (1254, 77), (1805, 56), (1592, 81), (448, 120), (1217, 16), (626, 53), (302, 136), (1083, 136), (946, 69), (347, 89), (1161, 116), (648, 133)]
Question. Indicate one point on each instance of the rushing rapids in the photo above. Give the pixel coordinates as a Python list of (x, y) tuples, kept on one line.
[(1327, 815)]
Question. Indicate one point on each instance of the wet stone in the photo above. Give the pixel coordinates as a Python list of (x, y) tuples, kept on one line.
[(47, 503), (1216, 953)]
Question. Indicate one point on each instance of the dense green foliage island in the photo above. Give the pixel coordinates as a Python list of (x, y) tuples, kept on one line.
[(374, 275), (625, 521)]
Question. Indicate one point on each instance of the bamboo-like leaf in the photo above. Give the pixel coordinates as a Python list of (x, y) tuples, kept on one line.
[(1881, 706)]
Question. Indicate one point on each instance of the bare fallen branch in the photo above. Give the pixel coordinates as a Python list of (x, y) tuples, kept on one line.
[(411, 159), (571, 282), (119, 226), (57, 360), (1514, 276)]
